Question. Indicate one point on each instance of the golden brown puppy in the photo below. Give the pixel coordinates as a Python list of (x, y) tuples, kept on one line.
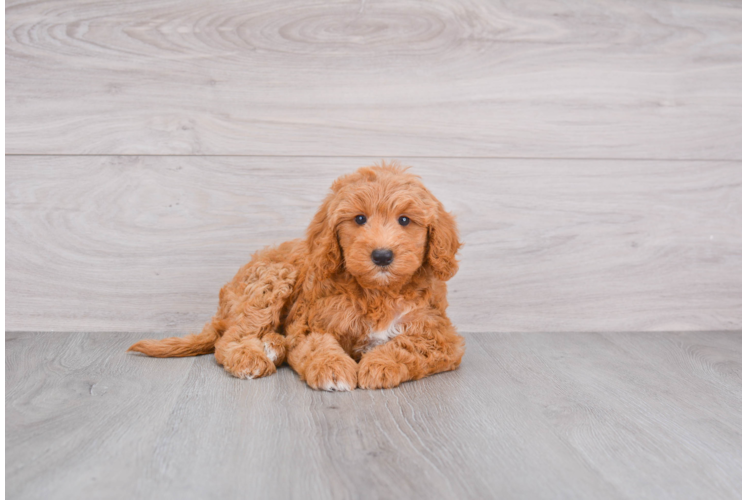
[(360, 302)]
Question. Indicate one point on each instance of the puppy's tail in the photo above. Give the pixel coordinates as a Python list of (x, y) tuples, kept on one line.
[(179, 347)]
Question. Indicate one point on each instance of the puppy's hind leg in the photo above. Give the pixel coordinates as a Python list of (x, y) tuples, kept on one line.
[(243, 357), (251, 346), (249, 355)]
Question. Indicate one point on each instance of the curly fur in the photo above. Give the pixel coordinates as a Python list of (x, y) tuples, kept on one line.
[(321, 304)]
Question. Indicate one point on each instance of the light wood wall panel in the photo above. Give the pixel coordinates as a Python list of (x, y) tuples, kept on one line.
[(111, 243), (550, 79)]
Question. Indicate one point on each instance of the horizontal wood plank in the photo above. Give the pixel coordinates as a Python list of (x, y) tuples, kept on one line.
[(144, 243), (608, 79)]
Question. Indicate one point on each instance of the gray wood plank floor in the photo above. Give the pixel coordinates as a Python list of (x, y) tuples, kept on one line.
[(562, 415)]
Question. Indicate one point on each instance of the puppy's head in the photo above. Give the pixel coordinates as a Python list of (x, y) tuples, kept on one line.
[(382, 225)]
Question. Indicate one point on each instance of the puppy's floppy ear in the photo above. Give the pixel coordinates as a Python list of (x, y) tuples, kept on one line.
[(443, 244), (322, 240)]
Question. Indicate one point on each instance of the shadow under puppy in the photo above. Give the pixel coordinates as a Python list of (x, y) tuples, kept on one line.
[(360, 302)]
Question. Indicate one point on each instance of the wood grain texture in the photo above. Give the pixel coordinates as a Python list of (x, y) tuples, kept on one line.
[(608, 79), (538, 415), (636, 409), (145, 243), (74, 407)]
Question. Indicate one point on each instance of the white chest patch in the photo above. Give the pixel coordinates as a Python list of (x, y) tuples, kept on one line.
[(381, 336)]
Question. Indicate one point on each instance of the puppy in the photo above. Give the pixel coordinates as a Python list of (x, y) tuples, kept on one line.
[(361, 302)]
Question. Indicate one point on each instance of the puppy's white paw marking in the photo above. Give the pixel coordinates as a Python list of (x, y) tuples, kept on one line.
[(247, 375), (334, 386), (270, 352)]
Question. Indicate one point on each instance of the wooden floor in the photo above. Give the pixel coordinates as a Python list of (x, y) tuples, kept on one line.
[(562, 415)]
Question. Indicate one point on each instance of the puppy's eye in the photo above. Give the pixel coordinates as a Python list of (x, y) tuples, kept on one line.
[(360, 220), (403, 221)]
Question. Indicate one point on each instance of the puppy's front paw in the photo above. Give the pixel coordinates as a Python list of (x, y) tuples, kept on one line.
[(246, 360), (379, 372), (337, 373)]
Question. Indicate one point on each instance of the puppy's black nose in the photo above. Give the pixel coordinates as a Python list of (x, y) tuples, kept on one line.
[(382, 256)]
